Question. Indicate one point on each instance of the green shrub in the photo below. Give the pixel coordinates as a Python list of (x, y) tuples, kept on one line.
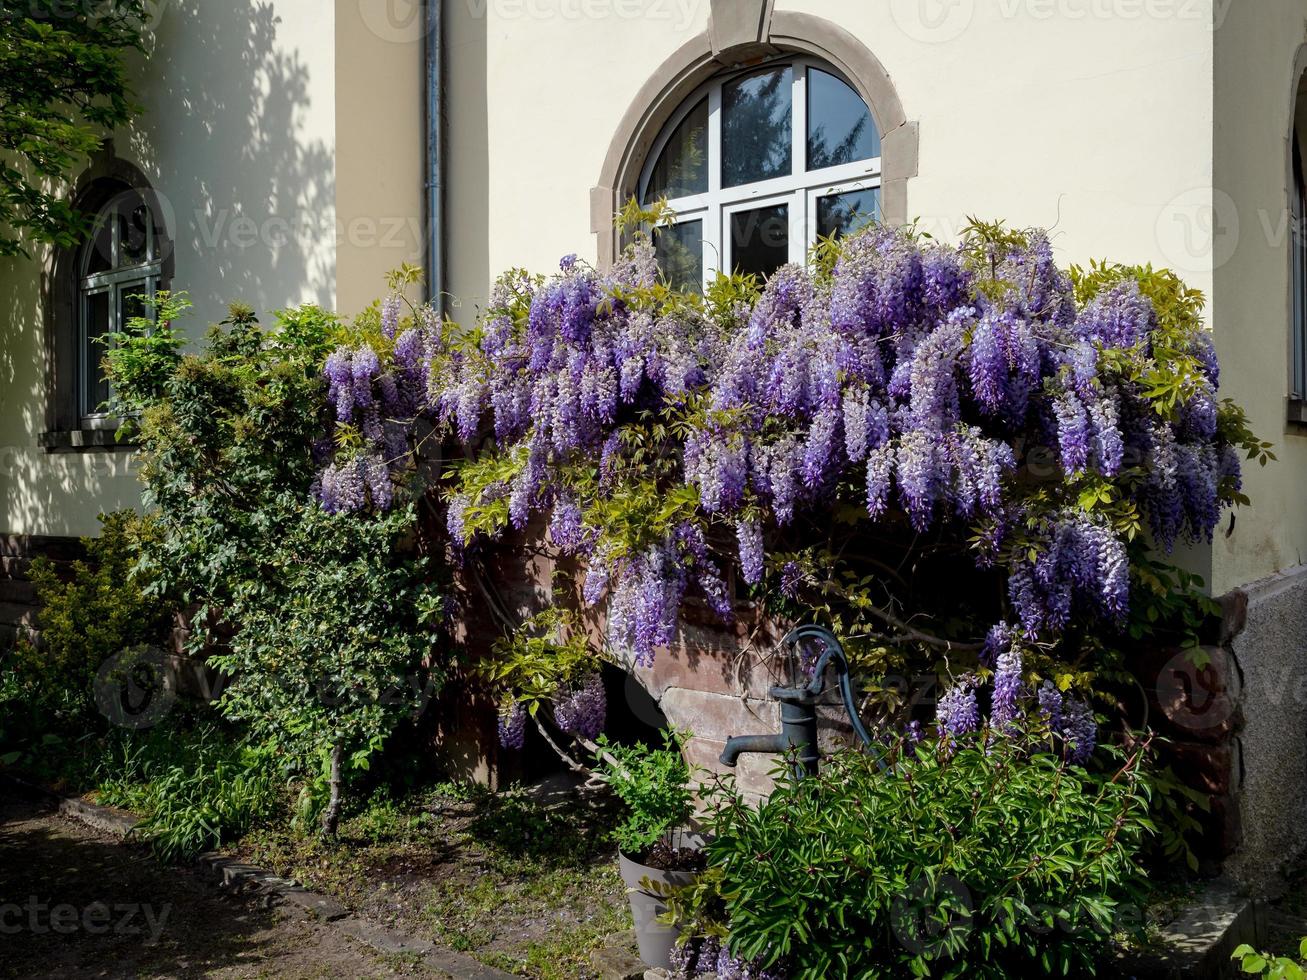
[(330, 654), (654, 786), (979, 862), (327, 619), (102, 607), (1270, 966)]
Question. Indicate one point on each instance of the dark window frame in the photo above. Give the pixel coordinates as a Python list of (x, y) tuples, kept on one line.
[(68, 428)]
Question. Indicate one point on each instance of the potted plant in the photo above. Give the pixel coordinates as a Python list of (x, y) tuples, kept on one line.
[(655, 850)]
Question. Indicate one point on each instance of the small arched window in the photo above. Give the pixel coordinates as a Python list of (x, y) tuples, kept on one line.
[(118, 268), (760, 164)]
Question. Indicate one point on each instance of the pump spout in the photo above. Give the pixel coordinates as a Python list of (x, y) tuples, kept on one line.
[(736, 745)]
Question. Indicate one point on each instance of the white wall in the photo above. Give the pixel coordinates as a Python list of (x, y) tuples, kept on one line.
[(1092, 124), (239, 134), (238, 138)]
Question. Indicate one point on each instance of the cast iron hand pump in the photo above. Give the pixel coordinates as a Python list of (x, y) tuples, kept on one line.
[(798, 734)]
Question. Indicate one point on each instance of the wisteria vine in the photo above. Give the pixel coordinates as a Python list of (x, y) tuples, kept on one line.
[(1042, 417)]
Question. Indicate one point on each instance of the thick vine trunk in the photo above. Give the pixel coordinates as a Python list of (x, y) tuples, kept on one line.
[(331, 815)]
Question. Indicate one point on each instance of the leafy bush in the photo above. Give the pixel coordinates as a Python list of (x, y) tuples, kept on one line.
[(323, 622), (654, 786), (333, 641), (1270, 966), (102, 607), (965, 860)]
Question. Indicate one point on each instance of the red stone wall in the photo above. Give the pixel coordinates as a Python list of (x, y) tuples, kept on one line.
[(18, 603)]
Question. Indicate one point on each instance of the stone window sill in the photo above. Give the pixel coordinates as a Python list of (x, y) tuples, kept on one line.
[(84, 440)]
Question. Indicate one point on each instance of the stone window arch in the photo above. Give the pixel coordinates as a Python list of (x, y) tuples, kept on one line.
[(743, 34)]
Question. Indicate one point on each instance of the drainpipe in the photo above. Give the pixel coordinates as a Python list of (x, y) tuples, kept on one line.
[(434, 171)]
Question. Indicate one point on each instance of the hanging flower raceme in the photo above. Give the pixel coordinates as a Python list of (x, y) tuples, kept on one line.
[(1015, 710), (512, 727), (581, 707)]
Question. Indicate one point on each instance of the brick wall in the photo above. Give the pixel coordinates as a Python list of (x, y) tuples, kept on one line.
[(17, 594)]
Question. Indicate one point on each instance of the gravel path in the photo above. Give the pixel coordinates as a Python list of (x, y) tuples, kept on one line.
[(74, 903)]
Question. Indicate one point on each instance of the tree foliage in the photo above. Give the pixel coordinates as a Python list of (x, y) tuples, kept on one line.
[(323, 623), (63, 87)]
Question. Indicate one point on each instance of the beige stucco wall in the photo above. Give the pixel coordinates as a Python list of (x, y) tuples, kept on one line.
[(379, 147), (285, 141), (238, 139), (41, 493), (1256, 46), (558, 75), (1091, 124)]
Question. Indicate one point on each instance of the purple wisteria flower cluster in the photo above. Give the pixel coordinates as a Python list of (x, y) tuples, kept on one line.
[(1069, 720), (581, 708), (917, 381), (512, 727), (709, 956)]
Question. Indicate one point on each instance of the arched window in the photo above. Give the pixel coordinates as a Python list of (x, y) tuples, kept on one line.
[(758, 165), (118, 267)]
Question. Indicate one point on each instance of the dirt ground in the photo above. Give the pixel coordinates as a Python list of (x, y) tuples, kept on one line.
[(74, 903), (524, 880)]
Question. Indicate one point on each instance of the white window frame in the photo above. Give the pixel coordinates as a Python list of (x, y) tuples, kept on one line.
[(800, 189), (117, 282)]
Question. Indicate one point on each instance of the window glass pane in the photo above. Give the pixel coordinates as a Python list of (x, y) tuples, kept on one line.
[(760, 240), (682, 168), (757, 140), (98, 255), (95, 387), (680, 254), (843, 214), (130, 302), (840, 127), (134, 235)]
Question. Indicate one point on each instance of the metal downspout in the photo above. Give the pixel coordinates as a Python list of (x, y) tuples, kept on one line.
[(433, 53)]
